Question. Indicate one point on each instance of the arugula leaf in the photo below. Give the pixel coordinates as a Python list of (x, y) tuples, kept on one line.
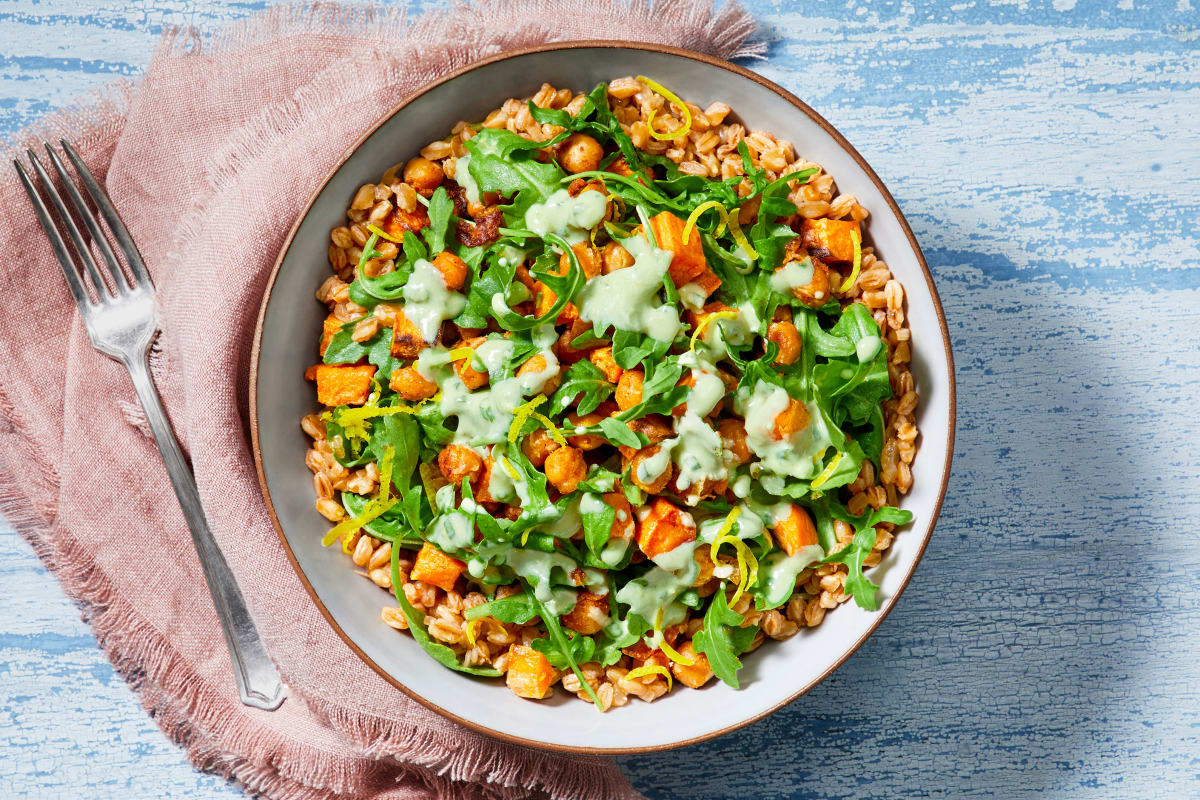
[(402, 433), (619, 433), (565, 288), (441, 212), (660, 394), (716, 641), (503, 162), (582, 649), (493, 281), (416, 626), (585, 381), (859, 586), (565, 649), (597, 526), (518, 609), (377, 350)]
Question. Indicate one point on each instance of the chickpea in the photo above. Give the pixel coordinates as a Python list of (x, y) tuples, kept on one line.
[(792, 419), (615, 257), (604, 361), (816, 292), (654, 427), (587, 441), (623, 526), (423, 175), (580, 153), (656, 484), (454, 270), (785, 335), (538, 446), (458, 461), (565, 468), (536, 365), (411, 384), (733, 439), (470, 376), (629, 389), (696, 675), (589, 614)]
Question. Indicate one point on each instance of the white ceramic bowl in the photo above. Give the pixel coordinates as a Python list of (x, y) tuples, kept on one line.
[(290, 322)]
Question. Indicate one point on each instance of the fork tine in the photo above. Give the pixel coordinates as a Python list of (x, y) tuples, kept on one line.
[(74, 282), (89, 219), (85, 255), (124, 240)]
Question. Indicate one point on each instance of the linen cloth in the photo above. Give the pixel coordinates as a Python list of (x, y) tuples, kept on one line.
[(209, 158)]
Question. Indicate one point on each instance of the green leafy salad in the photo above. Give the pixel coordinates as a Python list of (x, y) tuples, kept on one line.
[(615, 404)]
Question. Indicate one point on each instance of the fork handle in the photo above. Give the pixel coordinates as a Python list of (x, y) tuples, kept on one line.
[(257, 679)]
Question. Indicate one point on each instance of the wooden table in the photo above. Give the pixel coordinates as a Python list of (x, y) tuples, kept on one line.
[(1049, 645)]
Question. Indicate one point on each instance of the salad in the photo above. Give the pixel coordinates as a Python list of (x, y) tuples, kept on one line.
[(611, 392)]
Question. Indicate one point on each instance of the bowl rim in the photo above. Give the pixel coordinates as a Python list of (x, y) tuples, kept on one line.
[(892, 206)]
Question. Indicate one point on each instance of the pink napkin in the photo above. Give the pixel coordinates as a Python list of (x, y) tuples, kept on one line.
[(209, 160)]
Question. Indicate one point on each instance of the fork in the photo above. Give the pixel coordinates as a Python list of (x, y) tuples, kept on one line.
[(121, 324)]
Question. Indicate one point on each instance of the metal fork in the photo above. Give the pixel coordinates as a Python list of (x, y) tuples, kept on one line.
[(121, 323)]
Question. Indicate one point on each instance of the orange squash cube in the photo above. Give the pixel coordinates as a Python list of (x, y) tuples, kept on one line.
[(708, 281), (792, 419), (829, 239), (407, 342), (400, 222), (662, 527), (589, 615), (603, 359), (795, 531), (688, 260), (529, 672), (343, 384), (435, 567), (329, 328), (470, 376), (623, 526)]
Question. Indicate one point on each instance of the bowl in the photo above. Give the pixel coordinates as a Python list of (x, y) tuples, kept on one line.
[(290, 321)]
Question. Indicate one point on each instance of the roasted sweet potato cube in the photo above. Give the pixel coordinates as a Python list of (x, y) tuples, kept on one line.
[(589, 615), (435, 567), (588, 256), (792, 419), (695, 675), (407, 341), (329, 328), (343, 384), (829, 239), (623, 526), (708, 281), (400, 222), (662, 527), (687, 261), (795, 531), (529, 672), (470, 376)]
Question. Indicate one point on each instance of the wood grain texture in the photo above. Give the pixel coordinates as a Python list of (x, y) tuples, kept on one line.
[(1047, 157)]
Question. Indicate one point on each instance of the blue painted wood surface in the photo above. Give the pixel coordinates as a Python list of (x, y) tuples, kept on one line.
[(1047, 157)]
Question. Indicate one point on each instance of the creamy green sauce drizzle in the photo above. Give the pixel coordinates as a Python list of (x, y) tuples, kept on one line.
[(797, 456), (628, 298), (692, 295), (867, 347), (427, 301), (535, 567), (673, 572), (791, 276), (462, 174), (778, 572), (569, 217), (738, 331)]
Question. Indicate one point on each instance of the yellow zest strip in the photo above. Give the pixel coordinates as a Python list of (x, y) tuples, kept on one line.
[(430, 481), (550, 427), (352, 419), (704, 323), (651, 669), (855, 237), (525, 536), (747, 563), (509, 468), (385, 473), (471, 626), (722, 532), (675, 655), (827, 473), (695, 216), (667, 93), (520, 414), (735, 230), (374, 510), (378, 232), (460, 352)]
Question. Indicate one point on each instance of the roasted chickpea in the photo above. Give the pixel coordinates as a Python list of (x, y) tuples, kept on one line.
[(538, 446), (816, 292), (695, 675), (412, 385), (615, 257), (423, 175), (792, 419), (587, 441), (785, 335), (623, 526), (467, 373), (651, 484), (565, 468), (538, 365), (589, 615), (454, 270), (580, 153), (458, 461), (733, 439), (629, 389)]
